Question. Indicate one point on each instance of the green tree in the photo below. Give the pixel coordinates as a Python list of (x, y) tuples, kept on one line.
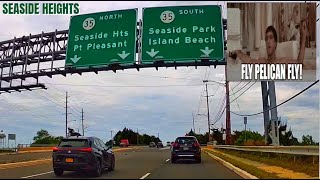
[(286, 138), (41, 134), (129, 134), (307, 140), (43, 137), (249, 135)]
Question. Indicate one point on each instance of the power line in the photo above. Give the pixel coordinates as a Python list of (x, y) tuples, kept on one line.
[(218, 118), (243, 92), (237, 101), (161, 77), (200, 98), (222, 107), (96, 85), (280, 103), (240, 88), (24, 109), (214, 94), (236, 85)]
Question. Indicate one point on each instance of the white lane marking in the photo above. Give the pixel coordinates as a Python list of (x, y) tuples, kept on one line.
[(167, 160), (37, 175), (165, 148), (146, 175)]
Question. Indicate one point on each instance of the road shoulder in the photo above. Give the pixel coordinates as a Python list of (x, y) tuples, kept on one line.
[(253, 169)]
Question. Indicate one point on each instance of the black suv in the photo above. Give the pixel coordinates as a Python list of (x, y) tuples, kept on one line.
[(186, 147), (86, 154)]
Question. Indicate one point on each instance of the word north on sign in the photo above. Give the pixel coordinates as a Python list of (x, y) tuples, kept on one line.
[(182, 33), (102, 38)]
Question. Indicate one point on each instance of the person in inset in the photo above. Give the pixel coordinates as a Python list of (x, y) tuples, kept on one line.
[(271, 40)]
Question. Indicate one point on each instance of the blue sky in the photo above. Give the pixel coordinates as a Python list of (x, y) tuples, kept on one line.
[(166, 110)]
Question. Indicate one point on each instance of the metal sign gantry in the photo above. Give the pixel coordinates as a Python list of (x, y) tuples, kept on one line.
[(44, 54)]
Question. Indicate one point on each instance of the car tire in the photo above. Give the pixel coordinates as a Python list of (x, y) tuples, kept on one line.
[(112, 165), (58, 172), (198, 160), (98, 169), (173, 160)]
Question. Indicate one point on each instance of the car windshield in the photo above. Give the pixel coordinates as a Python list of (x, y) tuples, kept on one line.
[(186, 140), (74, 143)]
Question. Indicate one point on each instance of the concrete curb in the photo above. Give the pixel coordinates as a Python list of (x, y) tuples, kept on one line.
[(233, 168)]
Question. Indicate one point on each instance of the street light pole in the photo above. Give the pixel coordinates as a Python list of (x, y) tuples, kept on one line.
[(194, 130), (111, 140), (228, 121), (82, 122)]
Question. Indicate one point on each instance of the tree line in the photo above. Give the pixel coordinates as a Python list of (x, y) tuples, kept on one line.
[(133, 137), (251, 138), (43, 137)]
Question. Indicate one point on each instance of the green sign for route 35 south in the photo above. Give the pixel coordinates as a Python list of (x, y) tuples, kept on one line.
[(102, 38), (182, 33)]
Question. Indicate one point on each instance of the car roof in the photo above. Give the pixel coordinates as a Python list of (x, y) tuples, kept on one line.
[(78, 137), (186, 137)]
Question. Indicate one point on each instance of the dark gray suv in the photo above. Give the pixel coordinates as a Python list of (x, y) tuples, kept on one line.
[(186, 147), (86, 154)]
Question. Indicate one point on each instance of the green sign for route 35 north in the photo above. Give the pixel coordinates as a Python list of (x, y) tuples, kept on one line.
[(102, 38), (182, 33)]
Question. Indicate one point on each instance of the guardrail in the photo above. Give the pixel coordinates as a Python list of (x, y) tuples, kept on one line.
[(294, 150)]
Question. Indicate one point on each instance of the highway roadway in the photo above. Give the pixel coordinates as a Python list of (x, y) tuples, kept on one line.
[(141, 163)]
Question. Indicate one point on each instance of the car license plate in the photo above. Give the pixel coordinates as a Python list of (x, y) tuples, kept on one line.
[(185, 148), (69, 160)]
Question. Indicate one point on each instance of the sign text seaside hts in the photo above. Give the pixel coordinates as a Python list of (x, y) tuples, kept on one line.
[(102, 38)]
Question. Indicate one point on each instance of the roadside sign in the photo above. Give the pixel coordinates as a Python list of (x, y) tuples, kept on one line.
[(245, 120), (102, 38), (182, 33), (11, 136)]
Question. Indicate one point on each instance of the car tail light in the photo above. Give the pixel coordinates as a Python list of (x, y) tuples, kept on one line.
[(176, 145), (86, 150), (196, 144), (55, 149)]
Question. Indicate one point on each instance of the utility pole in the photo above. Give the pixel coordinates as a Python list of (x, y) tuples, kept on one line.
[(228, 123), (208, 113), (82, 122), (245, 129), (137, 136), (194, 130), (66, 114), (111, 140)]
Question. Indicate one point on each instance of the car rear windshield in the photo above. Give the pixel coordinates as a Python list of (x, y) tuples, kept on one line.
[(74, 143), (185, 140)]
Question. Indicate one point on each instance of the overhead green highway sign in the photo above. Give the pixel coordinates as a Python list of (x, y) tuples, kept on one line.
[(182, 33), (102, 38)]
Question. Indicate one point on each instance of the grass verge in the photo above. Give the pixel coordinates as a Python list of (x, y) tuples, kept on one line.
[(303, 164), (248, 168)]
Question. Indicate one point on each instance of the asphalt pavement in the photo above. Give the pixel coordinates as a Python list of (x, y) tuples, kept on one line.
[(146, 163)]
